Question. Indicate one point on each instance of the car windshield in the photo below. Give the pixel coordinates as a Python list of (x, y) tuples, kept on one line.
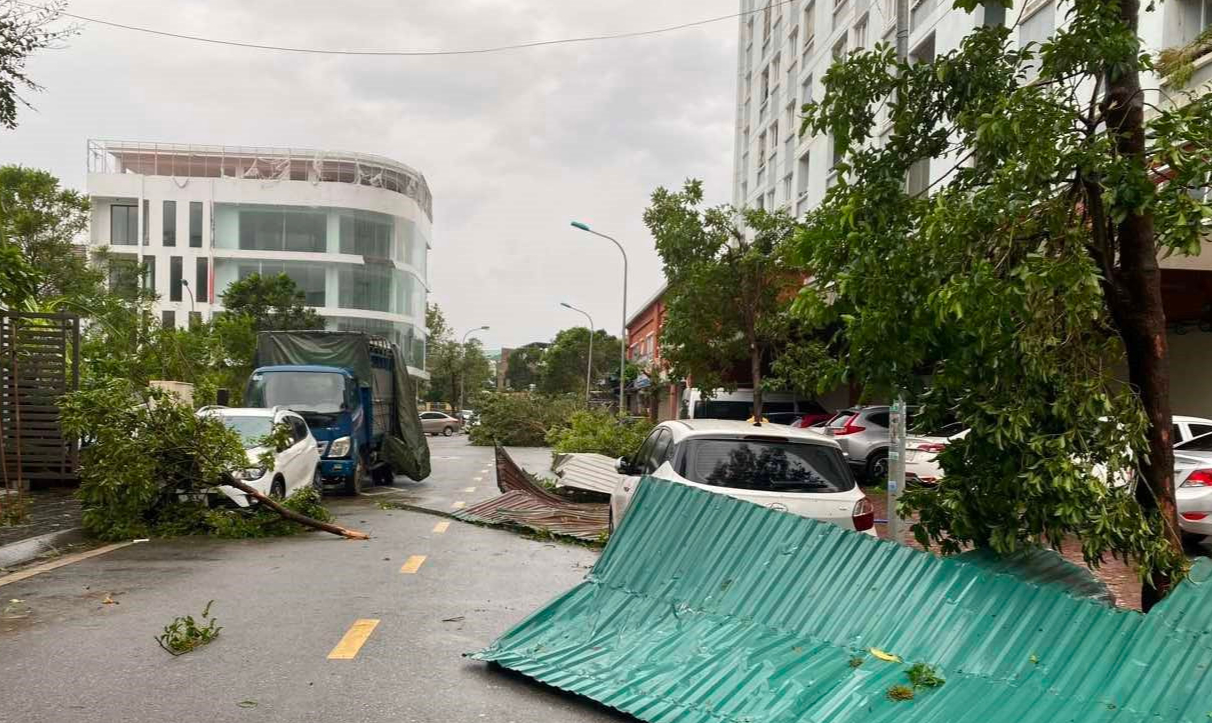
[(251, 429), (322, 392), (772, 465), (1202, 443)]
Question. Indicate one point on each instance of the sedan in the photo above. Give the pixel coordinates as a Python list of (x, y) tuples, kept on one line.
[(435, 423), (295, 465), (1193, 486)]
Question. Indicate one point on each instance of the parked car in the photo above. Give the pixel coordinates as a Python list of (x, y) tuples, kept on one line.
[(295, 466), (738, 405), (862, 433), (436, 423), (1186, 428), (787, 469), (921, 454), (1193, 486)]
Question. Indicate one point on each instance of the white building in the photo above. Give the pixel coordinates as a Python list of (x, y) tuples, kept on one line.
[(785, 48), (352, 230)]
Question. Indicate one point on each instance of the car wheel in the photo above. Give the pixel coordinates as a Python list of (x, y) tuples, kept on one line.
[(353, 485), (277, 490), (447, 431), (877, 466), (317, 482)]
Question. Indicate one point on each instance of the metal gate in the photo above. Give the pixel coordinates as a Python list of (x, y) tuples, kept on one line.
[(34, 374)]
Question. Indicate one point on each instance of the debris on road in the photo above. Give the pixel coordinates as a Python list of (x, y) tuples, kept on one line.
[(526, 504), (184, 634), (585, 471), (708, 609)]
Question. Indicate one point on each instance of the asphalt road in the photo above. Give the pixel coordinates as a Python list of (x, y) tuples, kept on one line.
[(284, 605)]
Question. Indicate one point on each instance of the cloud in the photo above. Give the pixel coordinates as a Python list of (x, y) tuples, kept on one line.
[(514, 145)]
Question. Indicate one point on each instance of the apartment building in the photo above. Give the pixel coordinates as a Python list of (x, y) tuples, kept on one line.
[(352, 230)]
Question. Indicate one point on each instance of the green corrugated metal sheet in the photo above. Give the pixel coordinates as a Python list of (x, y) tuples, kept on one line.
[(707, 609)]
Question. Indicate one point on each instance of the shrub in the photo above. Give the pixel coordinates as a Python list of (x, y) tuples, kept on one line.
[(601, 432), (520, 420)]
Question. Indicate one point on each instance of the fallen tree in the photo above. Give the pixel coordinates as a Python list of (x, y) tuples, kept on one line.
[(290, 514)]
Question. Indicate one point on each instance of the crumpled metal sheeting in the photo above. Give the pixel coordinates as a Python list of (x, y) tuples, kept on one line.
[(525, 504), (707, 609), (586, 471)]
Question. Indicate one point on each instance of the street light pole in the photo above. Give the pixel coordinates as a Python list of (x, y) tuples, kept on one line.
[(589, 367), (623, 331), (191, 295), (463, 369)]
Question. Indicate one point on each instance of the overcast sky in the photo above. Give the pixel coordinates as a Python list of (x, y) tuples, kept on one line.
[(514, 145)]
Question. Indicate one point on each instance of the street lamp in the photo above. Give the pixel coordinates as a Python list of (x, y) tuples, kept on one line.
[(463, 369), (623, 333), (589, 369), (191, 295)]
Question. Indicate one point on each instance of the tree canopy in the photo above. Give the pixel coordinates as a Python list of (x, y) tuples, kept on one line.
[(449, 362), (43, 220), (525, 366), (726, 305), (1021, 279), (24, 30), (565, 360)]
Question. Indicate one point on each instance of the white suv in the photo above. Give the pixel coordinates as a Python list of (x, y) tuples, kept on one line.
[(294, 467), (783, 468)]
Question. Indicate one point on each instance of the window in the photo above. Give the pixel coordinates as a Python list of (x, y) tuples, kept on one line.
[(298, 427), (767, 17), (365, 287), (1038, 26), (787, 187), (765, 466), (310, 278), (839, 9), (806, 90), (792, 71), (761, 149), (657, 453), (889, 13), (1193, 17), (146, 220), (809, 28), (195, 224), (174, 278), (749, 32), (802, 169), (149, 273), (168, 319), (123, 225), (201, 279), (776, 65), (366, 235), (1198, 430), (924, 52), (860, 33), (917, 181), (920, 12), (774, 138), (793, 42), (195, 319), (770, 200), (168, 222), (765, 85), (839, 49), (277, 229)]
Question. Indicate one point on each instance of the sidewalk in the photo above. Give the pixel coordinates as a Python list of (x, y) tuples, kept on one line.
[(52, 520)]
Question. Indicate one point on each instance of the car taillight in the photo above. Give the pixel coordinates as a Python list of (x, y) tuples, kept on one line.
[(849, 428), (1194, 516), (863, 515), (933, 447), (1199, 478)]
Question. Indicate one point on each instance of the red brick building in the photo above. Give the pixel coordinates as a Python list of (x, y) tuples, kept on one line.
[(654, 394)]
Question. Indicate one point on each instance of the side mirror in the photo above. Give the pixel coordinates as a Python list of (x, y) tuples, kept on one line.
[(623, 466)]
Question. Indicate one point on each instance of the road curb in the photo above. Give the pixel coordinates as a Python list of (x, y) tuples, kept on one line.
[(423, 510), (22, 551)]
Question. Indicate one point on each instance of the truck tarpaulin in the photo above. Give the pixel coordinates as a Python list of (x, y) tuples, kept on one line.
[(708, 609), (404, 446)]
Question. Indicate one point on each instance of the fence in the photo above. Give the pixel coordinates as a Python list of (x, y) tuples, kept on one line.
[(35, 373)]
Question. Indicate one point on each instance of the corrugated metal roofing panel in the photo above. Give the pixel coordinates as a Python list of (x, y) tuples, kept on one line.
[(586, 471), (704, 608)]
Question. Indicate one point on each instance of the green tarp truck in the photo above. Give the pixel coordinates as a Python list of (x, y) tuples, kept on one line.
[(355, 392)]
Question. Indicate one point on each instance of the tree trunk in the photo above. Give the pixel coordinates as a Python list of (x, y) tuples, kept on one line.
[(755, 366), (292, 515), (1142, 319)]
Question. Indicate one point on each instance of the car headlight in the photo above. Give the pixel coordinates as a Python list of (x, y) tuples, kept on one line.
[(249, 474), (339, 448)]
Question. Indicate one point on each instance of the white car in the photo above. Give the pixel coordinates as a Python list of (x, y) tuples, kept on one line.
[(921, 454), (294, 467), (1189, 427), (783, 468), (1193, 486)]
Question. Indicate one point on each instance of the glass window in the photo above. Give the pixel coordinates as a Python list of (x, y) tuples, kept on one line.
[(809, 26), (274, 229), (321, 392), (298, 428), (310, 278), (659, 452), (367, 235), (174, 278), (1198, 430), (252, 430), (123, 225), (880, 419), (195, 224), (802, 171), (860, 33), (149, 273), (201, 279), (306, 232), (168, 222), (168, 319), (644, 454), (146, 220), (365, 287), (768, 465), (1202, 443)]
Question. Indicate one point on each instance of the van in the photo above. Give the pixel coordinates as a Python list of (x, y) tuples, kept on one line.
[(777, 407)]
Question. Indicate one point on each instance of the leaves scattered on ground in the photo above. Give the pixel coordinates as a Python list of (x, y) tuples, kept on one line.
[(922, 675), (184, 634), (900, 692)]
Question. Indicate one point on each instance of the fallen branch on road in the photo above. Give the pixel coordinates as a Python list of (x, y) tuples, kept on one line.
[(290, 514)]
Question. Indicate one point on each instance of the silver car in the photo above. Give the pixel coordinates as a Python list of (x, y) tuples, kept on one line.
[(436, 423), (862, 433)]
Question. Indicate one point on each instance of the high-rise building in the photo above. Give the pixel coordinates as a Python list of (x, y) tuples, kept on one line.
[(352, 230)]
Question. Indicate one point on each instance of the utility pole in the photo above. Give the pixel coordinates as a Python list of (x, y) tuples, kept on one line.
[(896, 428)]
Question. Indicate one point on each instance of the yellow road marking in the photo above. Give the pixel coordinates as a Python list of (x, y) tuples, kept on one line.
[(60, 562), (353, 640), (459, 505), (469, 489), (441, 526), (412, 564)]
